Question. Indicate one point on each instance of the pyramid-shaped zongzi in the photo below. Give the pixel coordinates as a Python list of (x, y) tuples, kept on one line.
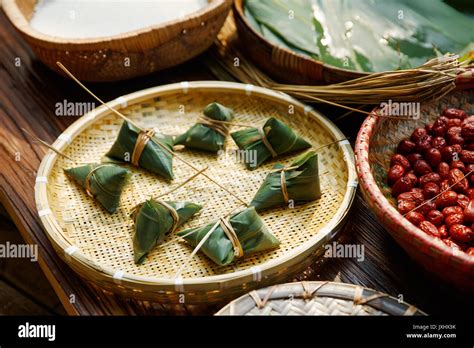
[(154, 219), (241, 234), (138, 148), (299, 182), (103, 182), (208, 134), (274, 139)]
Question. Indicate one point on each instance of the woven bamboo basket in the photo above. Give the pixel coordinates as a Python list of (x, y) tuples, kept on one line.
[(282, 63), (317, 298), (103, 59), (98, 245), (376, 143)]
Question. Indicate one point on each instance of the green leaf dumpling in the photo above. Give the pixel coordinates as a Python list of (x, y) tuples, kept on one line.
[(298, 183), (207, 135), (154, 220), (104, 182), (153, 157), (251, 234), (274, 139)]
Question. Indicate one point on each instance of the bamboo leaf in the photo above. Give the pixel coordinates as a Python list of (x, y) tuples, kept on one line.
[(153, 221), (289, 22), (281, 138), (153, 158), (366, 35), (302, 183), (205, 138), (252, 233), (106, 182)]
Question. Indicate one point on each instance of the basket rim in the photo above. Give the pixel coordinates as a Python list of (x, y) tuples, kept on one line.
[(74, 256), (238, 9), (17, 18), (382, 206), (301, 293)]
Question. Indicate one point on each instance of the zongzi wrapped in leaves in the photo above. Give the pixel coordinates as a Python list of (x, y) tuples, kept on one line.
[(274, 139), (134, 146), (154, 220), (208, 134), (103, 182), (241, 234), (299, 182)]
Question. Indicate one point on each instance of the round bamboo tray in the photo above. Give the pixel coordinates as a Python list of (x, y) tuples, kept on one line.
[(376, 143), (282, 63), (98, 245), (317, 298), (127, 55)]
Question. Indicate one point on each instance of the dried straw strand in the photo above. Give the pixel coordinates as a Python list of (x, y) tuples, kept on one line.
[(44, 143), (192, 177), (432, 80), (183, 183)]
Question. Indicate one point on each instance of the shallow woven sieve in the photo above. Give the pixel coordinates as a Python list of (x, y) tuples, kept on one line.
[(98, 245)]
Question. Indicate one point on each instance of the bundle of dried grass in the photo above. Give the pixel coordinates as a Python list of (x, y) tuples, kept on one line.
[(432, 80)]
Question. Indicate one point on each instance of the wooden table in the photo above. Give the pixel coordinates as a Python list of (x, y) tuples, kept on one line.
[(28, 94)]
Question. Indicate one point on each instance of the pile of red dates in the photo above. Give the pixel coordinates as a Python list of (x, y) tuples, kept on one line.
[(432, 178)]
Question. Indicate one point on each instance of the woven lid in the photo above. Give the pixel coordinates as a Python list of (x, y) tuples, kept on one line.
[(317, 298)]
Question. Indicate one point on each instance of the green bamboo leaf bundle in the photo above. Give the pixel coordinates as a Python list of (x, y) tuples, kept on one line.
[(242, 234), (149, 155), (208, 134), (274, 139), (103, 182), (299, 182), (402, 34), (154, 220)]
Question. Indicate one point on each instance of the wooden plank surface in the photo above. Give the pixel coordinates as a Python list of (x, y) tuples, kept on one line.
[(13, 302), (28, 94), (22, 284)]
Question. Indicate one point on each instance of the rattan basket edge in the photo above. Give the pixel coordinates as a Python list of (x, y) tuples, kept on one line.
[(284, 63), (19, 21), (149, 49), (337, 290)]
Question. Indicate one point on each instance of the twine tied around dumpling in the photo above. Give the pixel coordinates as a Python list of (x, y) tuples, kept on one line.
[(171, 210), (220, 126), (230, 233), (173, 213), (89, 177), (284, 188), (206, 237), (267, 144), (216, 125), (143, 138)]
